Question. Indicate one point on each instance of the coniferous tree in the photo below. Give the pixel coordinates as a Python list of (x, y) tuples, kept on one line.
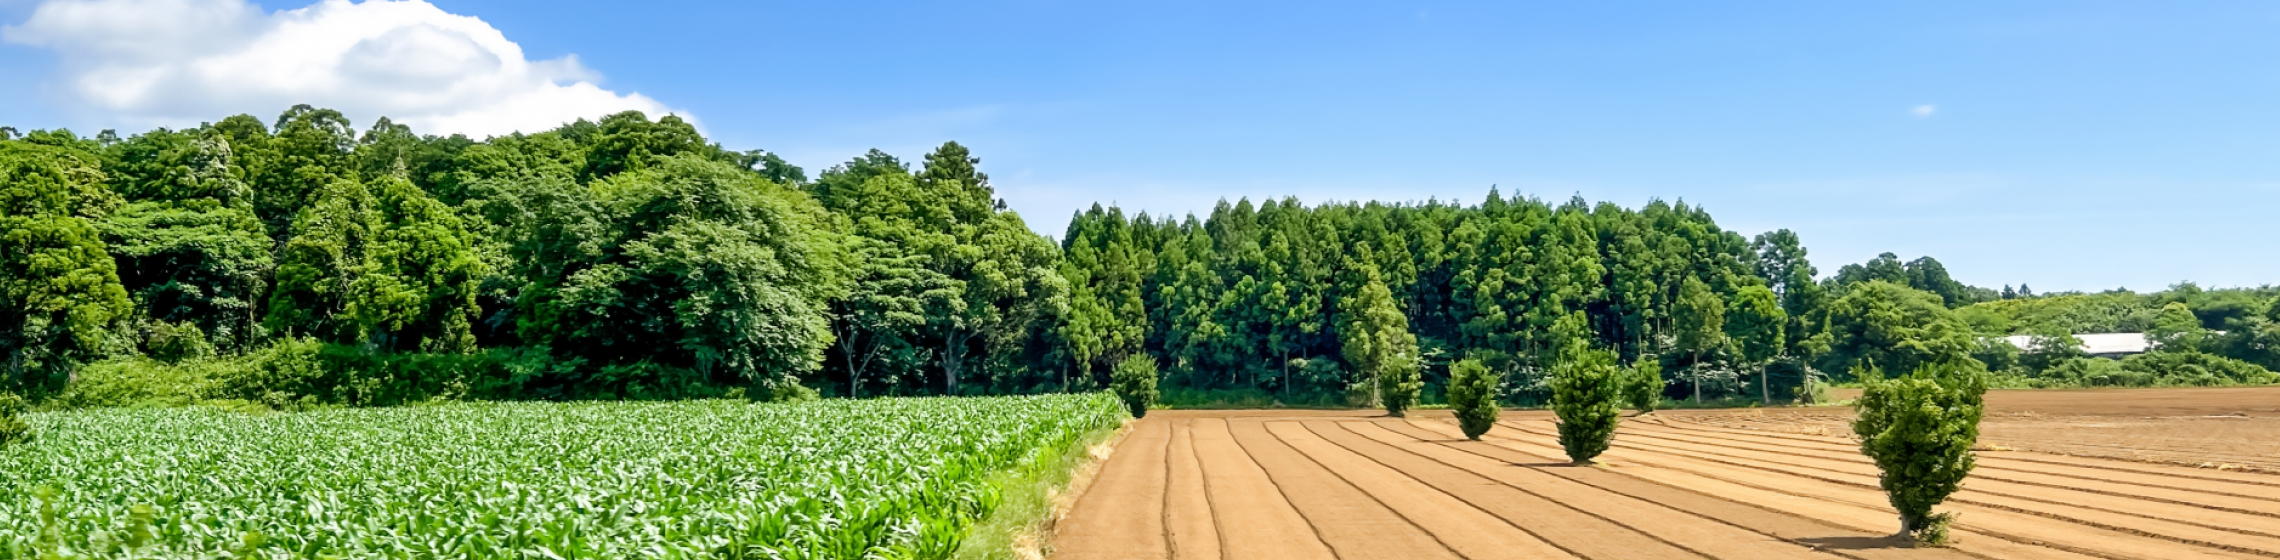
[(1701, 318), (1644, 388), (1920, 429), (1377, 342), (1586, 396), (1472, 396)]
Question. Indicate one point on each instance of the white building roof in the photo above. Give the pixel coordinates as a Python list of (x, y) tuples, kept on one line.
[(2095, 344)]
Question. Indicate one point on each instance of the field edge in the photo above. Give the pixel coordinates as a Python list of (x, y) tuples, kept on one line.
[(1035, 498)]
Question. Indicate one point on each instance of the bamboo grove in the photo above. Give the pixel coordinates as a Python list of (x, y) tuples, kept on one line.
[(300, 261)]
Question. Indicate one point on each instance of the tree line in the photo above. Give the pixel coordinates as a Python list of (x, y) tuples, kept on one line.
[(301, 260)]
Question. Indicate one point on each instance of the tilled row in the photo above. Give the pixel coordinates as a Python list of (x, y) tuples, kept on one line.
[(1247, 488), (2007, 500), (1354, 488), (2052, 435)]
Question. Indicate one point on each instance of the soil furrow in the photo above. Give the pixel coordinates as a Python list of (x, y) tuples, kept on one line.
[(1790, 499), (1122, 515), (1679, 485), (2225, 513), (2009, 460), (2150, 519), (1472, 532), (1262, 524), (2018, 527), (1188, 520), (1349, 520), (2005, 465), (2100, 463), (1823, 535), (1560, 525), (1708, 538)]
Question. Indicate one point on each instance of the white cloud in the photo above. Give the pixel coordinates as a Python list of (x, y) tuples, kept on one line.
[(176, 62), (1924, 111)]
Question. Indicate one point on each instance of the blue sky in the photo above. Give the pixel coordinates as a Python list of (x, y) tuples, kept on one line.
[(2066, 145)]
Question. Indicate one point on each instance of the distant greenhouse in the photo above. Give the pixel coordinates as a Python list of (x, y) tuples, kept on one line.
[(2103, 345)]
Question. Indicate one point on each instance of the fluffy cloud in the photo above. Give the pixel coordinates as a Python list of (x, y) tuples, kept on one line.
[(173, 62), (1924, 111)]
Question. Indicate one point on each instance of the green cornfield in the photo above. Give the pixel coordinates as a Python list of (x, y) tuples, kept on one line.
[(888, 478)]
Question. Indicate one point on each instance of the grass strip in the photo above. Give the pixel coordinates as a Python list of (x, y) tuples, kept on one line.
[(1035, 497)]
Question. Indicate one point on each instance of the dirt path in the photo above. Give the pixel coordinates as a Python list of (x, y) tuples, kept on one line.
[(1280, 485)]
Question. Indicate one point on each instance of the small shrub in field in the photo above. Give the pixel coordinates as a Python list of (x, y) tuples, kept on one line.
[(1399, 385), (1134, 381), (1643, 384), (1472, 395), (1919, 429), (1587, 395), (12, 426)]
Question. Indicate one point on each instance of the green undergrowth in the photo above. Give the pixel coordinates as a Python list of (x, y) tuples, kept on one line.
[(1028, 492)]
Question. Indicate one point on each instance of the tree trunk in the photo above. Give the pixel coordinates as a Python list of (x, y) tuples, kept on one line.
[(1286, 373), (854, 374), (1765, 392), (953, 359), (1695, 369)]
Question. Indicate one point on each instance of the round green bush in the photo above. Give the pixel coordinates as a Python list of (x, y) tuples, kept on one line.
[(1134, 381), (1472, 395), (1919, 429), (1645, 384), (1587, 397)]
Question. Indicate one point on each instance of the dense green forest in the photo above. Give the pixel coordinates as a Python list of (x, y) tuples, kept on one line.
[(299, 262)]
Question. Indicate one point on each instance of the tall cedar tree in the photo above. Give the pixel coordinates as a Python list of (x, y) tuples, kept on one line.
[(1701, 328), (1378, 342)]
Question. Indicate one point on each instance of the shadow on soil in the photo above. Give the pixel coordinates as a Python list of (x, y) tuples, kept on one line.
[(1859, 543)]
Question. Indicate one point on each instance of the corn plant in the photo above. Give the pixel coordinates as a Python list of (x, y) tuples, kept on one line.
[(888, 478)]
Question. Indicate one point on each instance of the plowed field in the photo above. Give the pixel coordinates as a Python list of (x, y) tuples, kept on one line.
[(1348, 485), (2230, 428)]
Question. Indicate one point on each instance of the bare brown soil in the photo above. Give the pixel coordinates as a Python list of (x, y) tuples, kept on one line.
[(1689, 484), (2182, 401), (2213, 428)]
